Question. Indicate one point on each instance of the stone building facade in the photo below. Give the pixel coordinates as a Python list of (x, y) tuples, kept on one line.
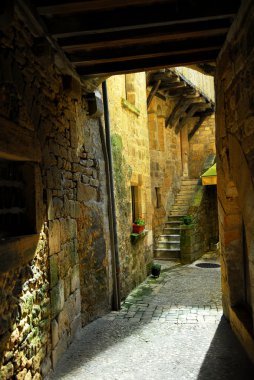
[(234, 139), (131, 163), (56, 264), (177, 154), (55, 252)]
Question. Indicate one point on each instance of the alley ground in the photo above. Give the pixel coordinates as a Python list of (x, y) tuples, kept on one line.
[(168, 328)]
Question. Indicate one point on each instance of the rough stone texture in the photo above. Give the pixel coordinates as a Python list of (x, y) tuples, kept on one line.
[(201, 145), (199, 236), (234, 119), (161, 333), (44, 113), (131, 160), (166, 161)]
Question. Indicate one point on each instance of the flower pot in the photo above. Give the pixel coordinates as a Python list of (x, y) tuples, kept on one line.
[(137, 228), (155, 271)]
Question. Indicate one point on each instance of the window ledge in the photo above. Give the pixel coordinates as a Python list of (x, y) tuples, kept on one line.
[(136, 237), (16, 252), (130, 107)]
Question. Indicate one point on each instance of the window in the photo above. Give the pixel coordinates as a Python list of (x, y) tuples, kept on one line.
[(17, 199), (157, 197), (130, 88), (135, 205)]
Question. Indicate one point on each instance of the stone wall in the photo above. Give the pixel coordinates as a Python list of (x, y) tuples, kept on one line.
[(202, 233), (235, 147), (201, 145), (131, 161), (60, 271), (166, 161)]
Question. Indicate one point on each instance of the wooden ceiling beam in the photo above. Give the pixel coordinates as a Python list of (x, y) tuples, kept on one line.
[(138, 65), (199, 123), (147, 16), (153, 92), (66, 7), (201, 106), (144, 51), (178, 110), (146, 35), (172, 86)]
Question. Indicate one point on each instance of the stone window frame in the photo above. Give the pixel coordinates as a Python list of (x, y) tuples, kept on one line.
[(130, 100), (158, 202), (18, 144), (136, 211)]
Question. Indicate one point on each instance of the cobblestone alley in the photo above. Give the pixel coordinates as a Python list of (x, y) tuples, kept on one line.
[(168, 328)]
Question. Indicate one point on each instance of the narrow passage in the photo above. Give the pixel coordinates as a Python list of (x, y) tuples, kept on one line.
[(169, 328)]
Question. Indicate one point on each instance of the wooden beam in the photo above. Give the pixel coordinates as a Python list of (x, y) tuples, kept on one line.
[(146, 35), (199, 123), (178, 110), (172, 86), (145, 51), (63, 8), (153, 92), (17, 146), (138, 65), (160, 96), (194, 107), (130, 18)]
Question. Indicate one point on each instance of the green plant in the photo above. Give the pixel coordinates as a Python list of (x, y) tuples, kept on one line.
[(155, 269), (187, 219), (139, 221)]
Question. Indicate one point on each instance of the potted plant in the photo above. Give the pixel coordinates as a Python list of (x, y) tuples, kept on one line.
[(138, 226), (187, 219), (155, 270)]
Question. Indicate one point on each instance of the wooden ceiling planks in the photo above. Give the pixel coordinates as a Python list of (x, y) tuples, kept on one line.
[(103, 37)]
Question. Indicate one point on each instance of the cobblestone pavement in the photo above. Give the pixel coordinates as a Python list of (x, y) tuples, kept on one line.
[(169, 328)]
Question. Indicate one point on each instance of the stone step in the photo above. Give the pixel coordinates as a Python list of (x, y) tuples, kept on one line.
[(182, 202), (168, 244), (161, 253), (184, 195), (175, 217), (172, 230), (173, 223), (180, 210), (193, 181), (170, 238)]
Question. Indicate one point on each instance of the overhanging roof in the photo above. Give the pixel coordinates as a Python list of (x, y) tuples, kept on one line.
[(101, 37), (210, 176)]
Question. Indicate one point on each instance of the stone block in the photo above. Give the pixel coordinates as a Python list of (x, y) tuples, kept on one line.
[(75, 282), (74, 258), (7, 371), (53, 270), (63, 322), (76, 328), (54, 237), (68, 229), (86, 193), (59, 350), (54, 333), (57, 298), (57, 206), (64, 260)]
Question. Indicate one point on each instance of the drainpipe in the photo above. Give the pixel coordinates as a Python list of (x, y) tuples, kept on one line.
[(111, 203)]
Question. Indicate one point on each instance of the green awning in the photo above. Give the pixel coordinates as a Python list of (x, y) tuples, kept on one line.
[(210, 172), (210, 176)]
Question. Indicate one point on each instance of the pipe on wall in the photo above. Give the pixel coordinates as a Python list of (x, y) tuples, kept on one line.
[(106, 146)]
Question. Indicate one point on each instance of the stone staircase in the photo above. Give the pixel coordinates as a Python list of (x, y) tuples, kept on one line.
[(184, 197), (168, 244)]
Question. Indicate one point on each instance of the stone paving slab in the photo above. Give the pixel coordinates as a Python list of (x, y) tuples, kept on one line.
[(170, 327)]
